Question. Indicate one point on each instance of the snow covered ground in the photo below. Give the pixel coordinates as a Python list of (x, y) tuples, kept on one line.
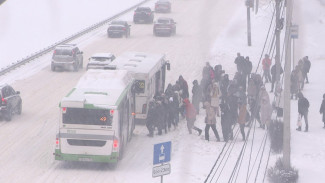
[(28, 141), (29, 26)]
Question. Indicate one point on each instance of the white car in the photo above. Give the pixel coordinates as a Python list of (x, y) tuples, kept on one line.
[(100, 60)]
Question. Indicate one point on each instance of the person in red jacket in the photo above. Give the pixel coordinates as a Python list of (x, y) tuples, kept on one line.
[(266, 62), (191, 116)]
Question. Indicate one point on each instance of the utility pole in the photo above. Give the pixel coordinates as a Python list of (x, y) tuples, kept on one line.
[(287, 73), (277, 40), (249, 36), (256, 7)]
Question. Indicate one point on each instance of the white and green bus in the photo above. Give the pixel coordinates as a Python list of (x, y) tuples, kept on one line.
[(96, 118), (149, 72)]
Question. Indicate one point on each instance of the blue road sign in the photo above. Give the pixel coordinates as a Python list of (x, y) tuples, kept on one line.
[(161, 152)]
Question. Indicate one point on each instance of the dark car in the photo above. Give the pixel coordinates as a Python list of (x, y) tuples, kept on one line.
[(164, 26), (163, 6), (143, 14), (11, 102), (67, 55), (118, 28)]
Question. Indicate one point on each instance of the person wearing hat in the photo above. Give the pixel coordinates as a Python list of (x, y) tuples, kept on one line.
[(196, 96), (322, 109), (210, 121), (303, 105)]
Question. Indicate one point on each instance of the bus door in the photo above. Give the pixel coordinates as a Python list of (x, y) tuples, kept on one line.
[(158, 83)]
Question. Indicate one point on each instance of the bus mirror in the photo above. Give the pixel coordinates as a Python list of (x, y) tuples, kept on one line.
[(168, 65)]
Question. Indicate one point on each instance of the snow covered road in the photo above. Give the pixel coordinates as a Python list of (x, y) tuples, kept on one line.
[(28, 140)]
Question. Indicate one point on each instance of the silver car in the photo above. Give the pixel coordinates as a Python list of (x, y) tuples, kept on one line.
[(67, 55), (100, 60)]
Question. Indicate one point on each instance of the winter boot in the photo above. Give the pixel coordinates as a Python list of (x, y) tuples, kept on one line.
[(299, 128), (306, 129), (200, 131)]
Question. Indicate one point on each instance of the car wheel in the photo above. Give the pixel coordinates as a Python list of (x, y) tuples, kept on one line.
[(154, 33), (19, 108), (8, 115), (52, 67)]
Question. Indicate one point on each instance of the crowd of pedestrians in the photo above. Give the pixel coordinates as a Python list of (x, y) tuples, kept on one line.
[(240, 100)]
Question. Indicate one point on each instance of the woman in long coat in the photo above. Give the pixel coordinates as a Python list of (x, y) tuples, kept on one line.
[(214, 95), (210, 121), (265, 107), (242, 119), (196, 96), (191, 116)]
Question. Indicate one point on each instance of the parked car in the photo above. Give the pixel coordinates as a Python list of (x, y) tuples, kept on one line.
[(100, 60), (118, 28), (11, 102), (163, 6), (164, 26), (143, 14), (67, 55)]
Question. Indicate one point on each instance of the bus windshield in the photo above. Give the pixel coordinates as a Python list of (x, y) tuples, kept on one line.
[(87, 116)]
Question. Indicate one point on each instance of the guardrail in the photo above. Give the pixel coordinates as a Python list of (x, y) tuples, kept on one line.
[(66, 40)]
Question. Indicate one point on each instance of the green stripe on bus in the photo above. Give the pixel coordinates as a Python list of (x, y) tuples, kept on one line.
[(113, 158), (71, 92), (100, 93)]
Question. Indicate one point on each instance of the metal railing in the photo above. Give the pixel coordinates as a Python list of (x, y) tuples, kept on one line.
[(43, 51)]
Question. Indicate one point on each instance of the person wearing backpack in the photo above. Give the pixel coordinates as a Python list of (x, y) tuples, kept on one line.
[(303, 105)]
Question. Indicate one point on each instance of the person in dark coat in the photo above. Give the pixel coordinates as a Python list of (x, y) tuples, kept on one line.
[(161, 116), (322, 109), (169, 90), (191, 117), (208, 72), (176, 106), (255, 111), (273, 73), (232, 101), (183, 87), (196, 96), (224, 83), (218, 73), (227, 132), (294, 84), (303, 105), (151, 118), (171, 108), (240, 62), (210, 121), (252, 89), (306, 68)]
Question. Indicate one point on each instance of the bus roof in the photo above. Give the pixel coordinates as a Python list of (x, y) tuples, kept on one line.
[(99, 89), (139, 62)]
